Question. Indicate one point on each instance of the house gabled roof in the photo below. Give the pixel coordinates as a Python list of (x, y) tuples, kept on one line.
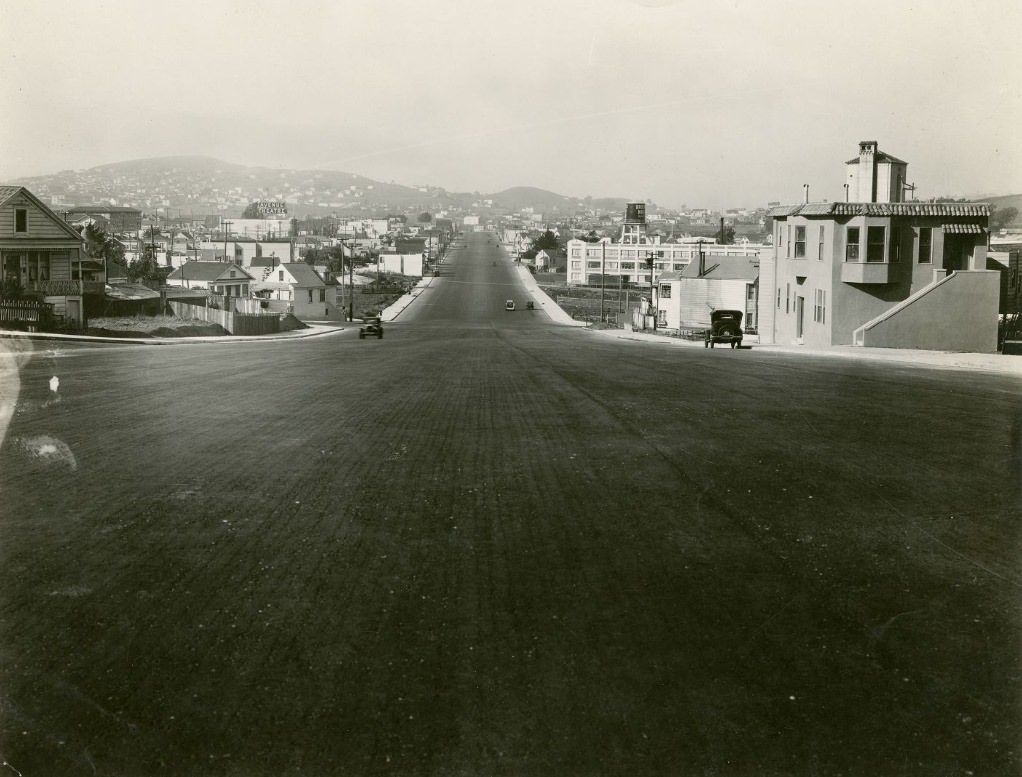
[(8, 193), (303, 274), (724, 268), (970, 209), (205, 271)]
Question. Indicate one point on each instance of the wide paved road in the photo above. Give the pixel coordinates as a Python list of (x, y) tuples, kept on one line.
[(491, 545)]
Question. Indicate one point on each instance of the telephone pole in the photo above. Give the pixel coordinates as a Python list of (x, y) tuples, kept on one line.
[(227, 227)]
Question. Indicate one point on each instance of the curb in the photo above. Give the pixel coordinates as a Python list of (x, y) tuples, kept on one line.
[(298, 334), (946, 360)]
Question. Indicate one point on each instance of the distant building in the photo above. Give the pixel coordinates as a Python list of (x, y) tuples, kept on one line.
[(118, 219), (627, 260)]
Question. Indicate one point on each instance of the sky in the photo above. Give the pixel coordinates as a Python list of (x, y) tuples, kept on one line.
[(704, 103)]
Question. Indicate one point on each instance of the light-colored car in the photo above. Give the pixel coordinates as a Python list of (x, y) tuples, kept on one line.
[(509, 305)]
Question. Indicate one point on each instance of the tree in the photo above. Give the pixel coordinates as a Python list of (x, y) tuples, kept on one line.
[(146, 268), (425, 217), (251, 211), (1002, 217), (98, 245), (727, 235), (546, 241)]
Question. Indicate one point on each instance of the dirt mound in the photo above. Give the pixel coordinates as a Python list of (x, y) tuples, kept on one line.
[(288, 323)]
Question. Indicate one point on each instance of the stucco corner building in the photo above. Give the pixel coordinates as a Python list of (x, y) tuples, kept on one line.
[(877, 270)]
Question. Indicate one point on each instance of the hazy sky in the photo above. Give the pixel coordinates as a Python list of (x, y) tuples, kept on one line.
[(700, 102)]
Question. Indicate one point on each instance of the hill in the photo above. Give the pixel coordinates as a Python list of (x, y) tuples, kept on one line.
[(204, 185), (1008, 201)]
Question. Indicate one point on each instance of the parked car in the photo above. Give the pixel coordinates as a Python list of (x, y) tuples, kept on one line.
[(725, 327), (509, 305), (371, 327)]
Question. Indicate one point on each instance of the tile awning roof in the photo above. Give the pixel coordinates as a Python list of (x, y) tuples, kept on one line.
[(962, 229), (972, 209)]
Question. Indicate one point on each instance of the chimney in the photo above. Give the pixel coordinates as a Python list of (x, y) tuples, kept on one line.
[(867, 171), (806, 196)]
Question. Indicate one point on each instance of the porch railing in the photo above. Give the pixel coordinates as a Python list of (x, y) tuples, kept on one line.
[(56, 288)]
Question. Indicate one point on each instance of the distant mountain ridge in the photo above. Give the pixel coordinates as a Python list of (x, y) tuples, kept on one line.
[(206, 184)]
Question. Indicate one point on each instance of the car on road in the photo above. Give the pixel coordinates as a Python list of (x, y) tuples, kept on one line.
[(725, 327), (371, 327), (509, 305)]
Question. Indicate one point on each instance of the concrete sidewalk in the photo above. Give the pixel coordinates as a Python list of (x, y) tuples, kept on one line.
[(982, 362), (543, 301), (393, 311)]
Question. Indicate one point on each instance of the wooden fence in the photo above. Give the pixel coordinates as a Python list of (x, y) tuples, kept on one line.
[(27, 313), (244, 324)]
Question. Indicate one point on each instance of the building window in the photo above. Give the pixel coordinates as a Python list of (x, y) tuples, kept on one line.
[(820, 306), (778, 297), (680, 266), (322, 295), (852, 245), (576, 265), (280, 275), (310, 295), (576, 252), (21, 221), (593, 265), (627, 265), (778, 235), (787, 298), (875, 237), (611, 265), (661, 318), (800, 242), (819, 252), (895, 244), (787, 250), (665, 291), (233, 274), (925, 245)]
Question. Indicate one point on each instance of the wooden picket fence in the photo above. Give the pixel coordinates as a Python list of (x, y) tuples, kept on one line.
[(26, 312), (244, 324)]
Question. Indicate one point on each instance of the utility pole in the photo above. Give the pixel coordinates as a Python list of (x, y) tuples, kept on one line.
[(603, 279), (227, 226), (651, 260)]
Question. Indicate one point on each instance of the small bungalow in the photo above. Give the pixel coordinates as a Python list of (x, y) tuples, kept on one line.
[(225, 278)]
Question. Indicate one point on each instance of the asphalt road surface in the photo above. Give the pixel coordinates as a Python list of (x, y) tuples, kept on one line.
[(489, 544)]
